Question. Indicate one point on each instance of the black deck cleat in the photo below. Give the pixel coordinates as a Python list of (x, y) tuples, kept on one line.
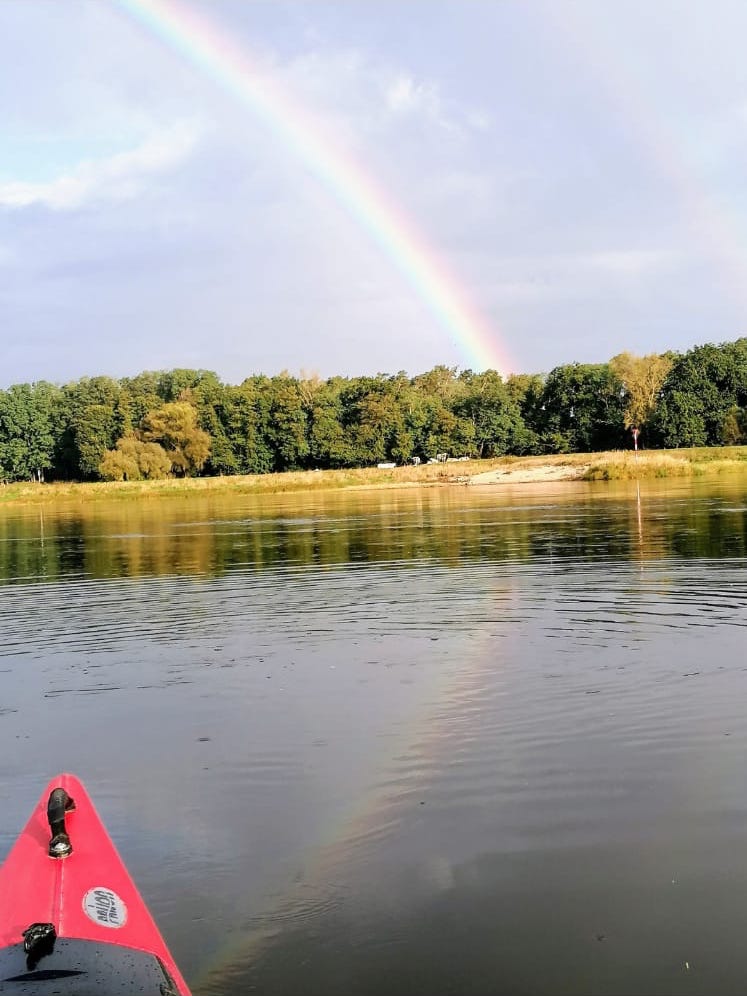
[(38, 941)]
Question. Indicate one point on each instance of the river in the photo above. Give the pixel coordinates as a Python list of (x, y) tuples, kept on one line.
[(449, 740)]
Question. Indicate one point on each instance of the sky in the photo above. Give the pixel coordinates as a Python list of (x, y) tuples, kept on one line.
[(361, 187)]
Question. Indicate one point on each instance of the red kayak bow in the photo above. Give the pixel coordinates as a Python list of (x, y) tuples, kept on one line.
[(71, 919)]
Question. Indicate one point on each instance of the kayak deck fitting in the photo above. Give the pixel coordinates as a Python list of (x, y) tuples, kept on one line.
[(71, 919)]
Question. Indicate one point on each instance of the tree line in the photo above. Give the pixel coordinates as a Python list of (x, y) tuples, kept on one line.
[(188, 422)]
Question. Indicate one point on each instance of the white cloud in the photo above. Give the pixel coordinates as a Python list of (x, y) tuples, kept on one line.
[(363, 98), (405, 96), (408, 97), (117, 177)]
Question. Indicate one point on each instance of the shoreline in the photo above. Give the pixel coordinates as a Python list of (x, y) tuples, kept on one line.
[(493, 472), (542, 474)]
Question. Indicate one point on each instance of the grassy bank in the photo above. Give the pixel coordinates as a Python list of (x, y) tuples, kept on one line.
[(613, 466), (665, 463), (291, 481)]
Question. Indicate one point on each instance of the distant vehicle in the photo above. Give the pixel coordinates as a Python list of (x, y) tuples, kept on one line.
[(385, 466)]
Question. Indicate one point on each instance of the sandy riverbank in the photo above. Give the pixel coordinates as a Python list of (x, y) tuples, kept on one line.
[(538, 474), (619, 465)]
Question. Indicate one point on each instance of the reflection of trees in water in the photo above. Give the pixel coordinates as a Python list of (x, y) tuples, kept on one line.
[(210, 536)]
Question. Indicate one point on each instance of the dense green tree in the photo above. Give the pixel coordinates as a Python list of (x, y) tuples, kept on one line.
[(92, 391), (247, 425), (702, 386), (211, 399), (285, 422), (375, 419), (526, 390), (171, 385), (288, 424), (26, 430), (329, 443), (95, 429), (581, 409), (139, 395), (495, 417), (441, 382), (445, 432)]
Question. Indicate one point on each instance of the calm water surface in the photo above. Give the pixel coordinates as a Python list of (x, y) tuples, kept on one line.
[(469, 741)]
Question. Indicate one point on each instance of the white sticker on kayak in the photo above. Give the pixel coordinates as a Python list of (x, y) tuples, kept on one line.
[(105, 907)]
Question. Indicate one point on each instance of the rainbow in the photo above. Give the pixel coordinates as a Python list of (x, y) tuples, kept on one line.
[(223, 61), (444, 722)]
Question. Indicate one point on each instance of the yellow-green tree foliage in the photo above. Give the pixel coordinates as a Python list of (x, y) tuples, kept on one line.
[(174, 427), (734, 429), (135, 460), (642, 378)]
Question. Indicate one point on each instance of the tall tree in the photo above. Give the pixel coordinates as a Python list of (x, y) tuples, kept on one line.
[(702, 386), (95, 430), (329, 442), (581, 409), (495, 417), (140, 396), (171, 384), (288, 423), (642, 378), (247, 425), (26, 431), (211, 398)]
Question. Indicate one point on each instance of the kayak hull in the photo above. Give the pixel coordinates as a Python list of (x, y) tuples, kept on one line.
[(86, 902), (84, 968)]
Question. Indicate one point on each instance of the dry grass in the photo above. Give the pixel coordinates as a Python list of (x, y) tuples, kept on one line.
[(291, 481), (626, 467), (694, 462)]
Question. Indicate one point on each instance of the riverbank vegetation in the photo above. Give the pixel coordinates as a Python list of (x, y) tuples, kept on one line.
[(610, 466), (271, 483), (188, 424)]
